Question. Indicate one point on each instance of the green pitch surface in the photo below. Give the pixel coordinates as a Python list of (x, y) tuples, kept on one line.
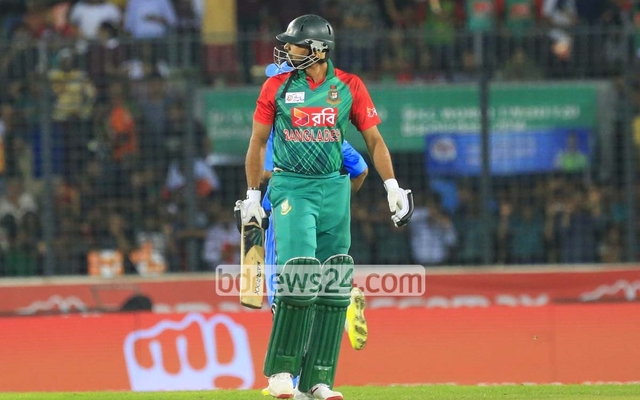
[(564, 392)]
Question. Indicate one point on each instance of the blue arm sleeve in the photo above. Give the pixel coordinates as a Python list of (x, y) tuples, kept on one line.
[(353, 161), (266, 204), (268, 154), (268, 166)]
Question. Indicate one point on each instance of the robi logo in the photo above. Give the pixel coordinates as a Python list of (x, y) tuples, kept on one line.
[(314, 116), (186, 355)]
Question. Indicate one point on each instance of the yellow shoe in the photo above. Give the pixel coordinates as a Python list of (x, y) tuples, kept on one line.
[(265, 391), (355, 324)]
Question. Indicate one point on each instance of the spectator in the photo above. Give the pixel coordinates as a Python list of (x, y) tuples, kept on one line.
[(561, 16), (155, 104), (74, 91), (262, 46), (287, 10), (74, 99), (207, 181), (481, 15), (393, 246), (21, 258), (575, 227), (472, 233), (148, 19), (519, 17), (572, 160), (16, 202), (401, 46), (222, 241), (20, 57), (469, 71), (49, 22), (439, 33), (150, 255), (87, 16), (12, 15), (360, 18), (142, 68), (616, 205), (70, 247), (332, 11), (6, 116), (105, 58), (121, 125), (189, 16), (520, 68), (113, 232), (121, 4), (522, 233), (611, 249), (432, 233)]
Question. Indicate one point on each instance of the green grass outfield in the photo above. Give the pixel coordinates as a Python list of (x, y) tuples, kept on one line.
[(559, 392)]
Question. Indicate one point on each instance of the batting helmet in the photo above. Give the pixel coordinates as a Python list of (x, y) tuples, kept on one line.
[(310, 31)]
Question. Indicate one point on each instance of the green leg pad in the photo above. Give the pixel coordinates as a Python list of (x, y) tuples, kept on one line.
[(293, 315), (321, 359), (337, 280), (319, 365)]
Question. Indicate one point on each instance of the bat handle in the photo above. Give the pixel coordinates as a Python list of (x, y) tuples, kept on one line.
[(238, 216)]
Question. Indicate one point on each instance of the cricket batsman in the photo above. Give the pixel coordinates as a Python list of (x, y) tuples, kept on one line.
[(309, 110), (355, 323)]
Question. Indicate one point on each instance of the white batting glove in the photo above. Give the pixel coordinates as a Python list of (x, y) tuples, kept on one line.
[(251, 208), (400, 202)]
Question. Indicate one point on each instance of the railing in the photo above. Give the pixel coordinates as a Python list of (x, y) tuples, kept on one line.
[(94, 157)]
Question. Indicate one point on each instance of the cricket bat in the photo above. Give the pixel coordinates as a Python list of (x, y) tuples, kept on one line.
[(252, 265)]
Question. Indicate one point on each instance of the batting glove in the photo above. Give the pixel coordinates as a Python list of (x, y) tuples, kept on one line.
[(400, 202), (250, 208)]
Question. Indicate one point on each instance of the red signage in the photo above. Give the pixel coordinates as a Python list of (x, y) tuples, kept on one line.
[(198, 292), (568, 343)]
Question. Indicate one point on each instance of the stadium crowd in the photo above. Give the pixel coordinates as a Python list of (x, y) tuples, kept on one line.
[(116, 73)]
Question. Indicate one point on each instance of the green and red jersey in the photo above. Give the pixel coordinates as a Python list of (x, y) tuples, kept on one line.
[(310, 120)]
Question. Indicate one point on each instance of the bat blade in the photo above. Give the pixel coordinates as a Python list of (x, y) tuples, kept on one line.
[(252, 266)]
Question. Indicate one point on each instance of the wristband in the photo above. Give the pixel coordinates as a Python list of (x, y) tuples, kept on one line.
[(391, 184), (253, 195)]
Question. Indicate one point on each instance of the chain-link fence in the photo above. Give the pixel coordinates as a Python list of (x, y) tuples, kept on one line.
[(520, 149)]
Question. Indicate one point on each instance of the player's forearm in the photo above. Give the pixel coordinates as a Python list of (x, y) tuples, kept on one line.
[(356, 183), (381, 159), (253, 163)]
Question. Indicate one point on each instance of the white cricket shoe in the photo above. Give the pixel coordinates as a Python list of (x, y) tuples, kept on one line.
[(298, 395), (323, 392), (281, 386)]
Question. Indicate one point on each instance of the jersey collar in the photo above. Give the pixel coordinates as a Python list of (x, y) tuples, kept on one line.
[(330, 74)]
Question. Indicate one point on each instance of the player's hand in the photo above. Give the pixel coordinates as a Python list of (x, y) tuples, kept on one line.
[(250, 208), (400, 202)]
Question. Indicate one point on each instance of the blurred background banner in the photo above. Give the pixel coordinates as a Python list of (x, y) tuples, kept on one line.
[(459, 154), (410, 113)]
